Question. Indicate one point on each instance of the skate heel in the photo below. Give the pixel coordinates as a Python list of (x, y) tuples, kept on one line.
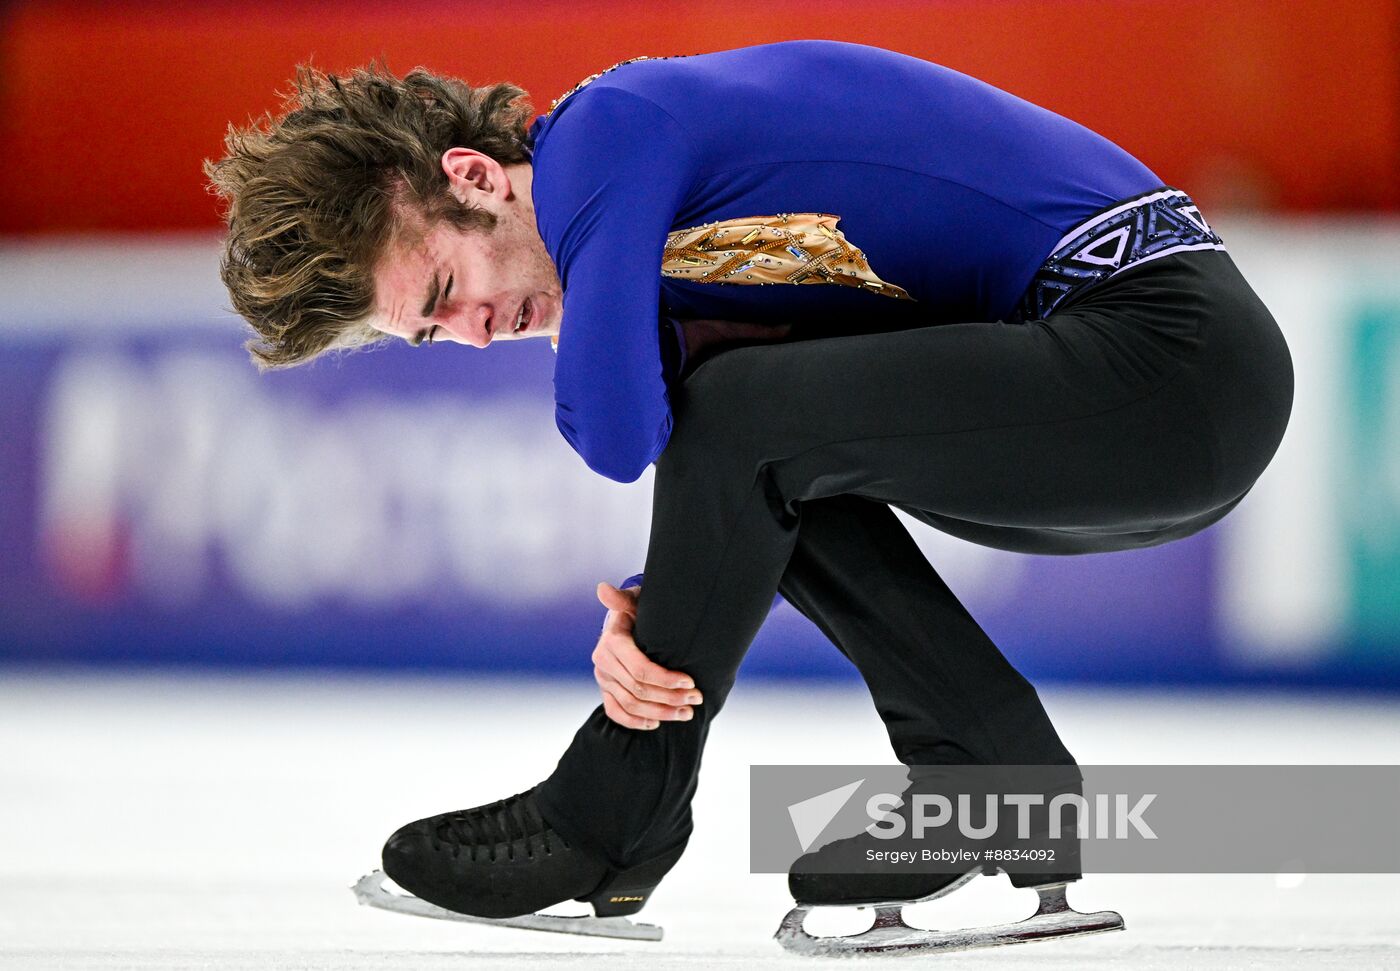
[(620, 901), (625, 892)]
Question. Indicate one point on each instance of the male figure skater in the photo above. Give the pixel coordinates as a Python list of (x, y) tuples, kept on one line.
[(809, 281)]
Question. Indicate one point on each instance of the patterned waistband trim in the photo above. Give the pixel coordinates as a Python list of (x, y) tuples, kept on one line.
[(1149, 227)]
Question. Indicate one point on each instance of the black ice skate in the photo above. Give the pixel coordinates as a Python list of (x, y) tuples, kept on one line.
[(499, 863), (834, 876)]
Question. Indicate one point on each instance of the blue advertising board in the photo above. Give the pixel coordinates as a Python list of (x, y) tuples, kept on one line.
[(416, 508)]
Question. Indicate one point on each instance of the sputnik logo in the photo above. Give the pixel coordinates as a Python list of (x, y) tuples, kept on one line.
[(811, 817)]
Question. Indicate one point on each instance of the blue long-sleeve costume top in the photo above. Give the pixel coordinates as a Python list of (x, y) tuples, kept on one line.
[(954, 192)]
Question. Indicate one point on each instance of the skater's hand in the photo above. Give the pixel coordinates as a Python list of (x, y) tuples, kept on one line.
[(637, 692)]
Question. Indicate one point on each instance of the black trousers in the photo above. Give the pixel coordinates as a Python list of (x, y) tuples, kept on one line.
[(1140, 413)]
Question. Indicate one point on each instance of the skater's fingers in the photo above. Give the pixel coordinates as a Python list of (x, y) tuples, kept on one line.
[(641, 710), (624, 601), (618, 622), (620, 618), (608, 666), (643, 669), (645, 678), (615, 713)]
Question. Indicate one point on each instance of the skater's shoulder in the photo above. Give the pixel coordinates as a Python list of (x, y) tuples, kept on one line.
[(604, 139), (631, 85), (685, 84), (603, 121)]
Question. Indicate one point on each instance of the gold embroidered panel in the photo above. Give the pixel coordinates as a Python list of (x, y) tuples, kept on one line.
[(791, 248)]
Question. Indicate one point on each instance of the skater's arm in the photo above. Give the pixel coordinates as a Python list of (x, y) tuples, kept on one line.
[(612, 172), (637, 692)]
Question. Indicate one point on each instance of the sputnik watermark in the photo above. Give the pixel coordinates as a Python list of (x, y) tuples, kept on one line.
[(947, 830), (1105, 819), (1111, 815)]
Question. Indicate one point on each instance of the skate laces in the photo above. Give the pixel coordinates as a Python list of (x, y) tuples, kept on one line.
[(502, 823)]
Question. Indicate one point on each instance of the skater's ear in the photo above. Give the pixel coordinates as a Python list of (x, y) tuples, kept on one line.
[(475, 179)]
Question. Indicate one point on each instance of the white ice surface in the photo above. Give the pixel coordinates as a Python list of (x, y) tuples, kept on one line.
[(214, 822)]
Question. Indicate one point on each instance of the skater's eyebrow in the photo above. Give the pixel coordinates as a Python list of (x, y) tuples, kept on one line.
[(434, 288)]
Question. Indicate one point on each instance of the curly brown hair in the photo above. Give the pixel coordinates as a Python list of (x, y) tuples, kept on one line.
[(316, 195)]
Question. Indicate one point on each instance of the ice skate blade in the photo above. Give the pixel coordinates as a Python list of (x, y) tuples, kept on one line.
[(370, 890), (891, 935)]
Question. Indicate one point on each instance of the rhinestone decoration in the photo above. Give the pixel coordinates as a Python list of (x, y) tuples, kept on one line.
[(789, 248)]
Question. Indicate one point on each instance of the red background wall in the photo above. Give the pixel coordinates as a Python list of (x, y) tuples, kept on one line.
[(106, 113)]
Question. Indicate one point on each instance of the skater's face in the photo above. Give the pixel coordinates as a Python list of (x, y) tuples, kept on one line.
[(443, 283)]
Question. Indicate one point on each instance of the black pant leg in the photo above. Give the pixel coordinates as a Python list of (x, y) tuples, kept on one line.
[(761, 431), (945, 692), (1146, 407), (720, 540)]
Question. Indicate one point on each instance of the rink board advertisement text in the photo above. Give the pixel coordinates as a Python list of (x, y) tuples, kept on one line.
[(418, 508), (410, 508), (1036, 819)]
